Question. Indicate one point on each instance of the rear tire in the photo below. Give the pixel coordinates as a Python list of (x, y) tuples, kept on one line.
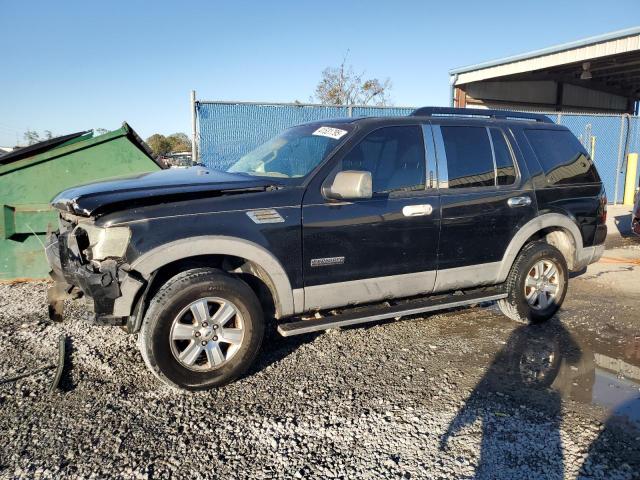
[(203, 329), (536, 285)]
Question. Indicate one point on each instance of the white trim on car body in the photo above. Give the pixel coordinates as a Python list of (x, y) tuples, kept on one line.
[(290, 301), (222, 245)]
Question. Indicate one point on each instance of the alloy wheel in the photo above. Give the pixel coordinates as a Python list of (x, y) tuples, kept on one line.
[(542, 285), (206, 334)]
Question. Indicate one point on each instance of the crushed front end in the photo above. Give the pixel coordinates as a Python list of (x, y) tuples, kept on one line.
[(86, 260)]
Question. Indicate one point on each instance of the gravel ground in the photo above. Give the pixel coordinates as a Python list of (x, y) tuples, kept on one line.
[(431, 397)]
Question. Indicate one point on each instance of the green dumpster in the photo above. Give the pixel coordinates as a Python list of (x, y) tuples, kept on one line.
[(30, 177)]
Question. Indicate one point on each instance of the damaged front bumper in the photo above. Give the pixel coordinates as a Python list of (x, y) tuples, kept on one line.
[(98, 281)]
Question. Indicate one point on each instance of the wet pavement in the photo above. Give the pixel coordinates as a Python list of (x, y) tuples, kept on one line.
[(609, 377), (583, 365), (578, 364)]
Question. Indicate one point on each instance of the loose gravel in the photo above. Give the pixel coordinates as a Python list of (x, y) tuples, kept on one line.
[(409, 399)]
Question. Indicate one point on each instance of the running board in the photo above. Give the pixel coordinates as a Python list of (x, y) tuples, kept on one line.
[(372, 314)]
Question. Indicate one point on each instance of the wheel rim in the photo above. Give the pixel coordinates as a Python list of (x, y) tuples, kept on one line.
[(542, 285), (206, 334), (536, 363)]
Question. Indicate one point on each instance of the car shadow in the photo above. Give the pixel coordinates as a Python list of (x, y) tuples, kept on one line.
[(613, 439), (520, 373), (623, 224), (578, 273), (276, 347)]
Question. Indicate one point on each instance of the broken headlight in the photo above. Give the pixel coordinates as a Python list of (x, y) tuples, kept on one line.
[(97, 243)]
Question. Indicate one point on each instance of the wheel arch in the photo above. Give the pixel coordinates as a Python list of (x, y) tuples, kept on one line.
[(556, 229), (231, 254)]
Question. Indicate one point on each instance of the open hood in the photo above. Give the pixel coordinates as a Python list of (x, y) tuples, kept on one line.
[(156, 187)]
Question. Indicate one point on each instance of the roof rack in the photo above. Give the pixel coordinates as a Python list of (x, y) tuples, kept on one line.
[(477, 112)]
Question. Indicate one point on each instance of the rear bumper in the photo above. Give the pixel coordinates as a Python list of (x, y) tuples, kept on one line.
[(588, 255), (101, 285)]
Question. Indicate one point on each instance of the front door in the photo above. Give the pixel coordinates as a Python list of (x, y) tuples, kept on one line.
[(384, 247)]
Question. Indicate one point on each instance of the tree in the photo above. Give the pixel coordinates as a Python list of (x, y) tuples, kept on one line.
[(31, 137), (176, 142), (342, 86), (180, 142), (100, 131), (159, 144)]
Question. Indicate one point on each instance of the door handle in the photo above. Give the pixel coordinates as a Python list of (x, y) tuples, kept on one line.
[(519, 202), (417, 210)]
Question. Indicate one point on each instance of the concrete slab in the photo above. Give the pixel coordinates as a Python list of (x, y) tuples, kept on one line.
[(619, 232), (619, 220), (618, 270)]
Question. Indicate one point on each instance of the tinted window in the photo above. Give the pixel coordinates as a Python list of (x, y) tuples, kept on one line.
[(562, 157), (469, 158), (394, 156), (506, 172)]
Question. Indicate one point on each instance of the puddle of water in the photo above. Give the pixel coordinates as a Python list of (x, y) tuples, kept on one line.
[(620, 396), (542, 364), (611, 376)]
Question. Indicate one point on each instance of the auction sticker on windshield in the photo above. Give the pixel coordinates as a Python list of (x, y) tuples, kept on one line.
[(330, 132)]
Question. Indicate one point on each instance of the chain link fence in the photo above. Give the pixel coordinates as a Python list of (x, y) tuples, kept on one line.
[(228, 130)]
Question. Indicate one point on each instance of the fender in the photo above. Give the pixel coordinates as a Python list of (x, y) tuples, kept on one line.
[(582, 256), (151, 261)]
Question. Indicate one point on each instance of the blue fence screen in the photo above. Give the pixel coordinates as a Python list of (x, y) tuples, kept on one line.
[(228, 130)]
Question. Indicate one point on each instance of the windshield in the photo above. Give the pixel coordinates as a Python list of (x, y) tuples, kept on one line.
[(292, 154)]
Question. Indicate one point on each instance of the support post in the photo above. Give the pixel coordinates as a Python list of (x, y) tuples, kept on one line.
[(194, 146), (619, 165), (452, 90), (559, 96)]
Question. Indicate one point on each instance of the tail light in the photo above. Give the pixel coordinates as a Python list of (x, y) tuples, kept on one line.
[(602, 210)]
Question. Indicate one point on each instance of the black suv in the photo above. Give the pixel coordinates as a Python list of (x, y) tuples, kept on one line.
[(329, 224)]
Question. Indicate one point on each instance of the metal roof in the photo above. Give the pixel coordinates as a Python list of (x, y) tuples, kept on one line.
[(550, 50), (599, 73)]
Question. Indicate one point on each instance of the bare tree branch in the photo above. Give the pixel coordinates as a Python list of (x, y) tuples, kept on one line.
[(342, 86)]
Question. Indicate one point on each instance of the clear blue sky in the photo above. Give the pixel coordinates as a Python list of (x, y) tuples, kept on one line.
[(68, 66)]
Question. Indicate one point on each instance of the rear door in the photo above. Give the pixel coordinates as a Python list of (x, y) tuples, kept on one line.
[(571, 182), (383, 247), (485, 197)]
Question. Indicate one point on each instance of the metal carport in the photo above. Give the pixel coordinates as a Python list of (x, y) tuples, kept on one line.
[(596, 74)]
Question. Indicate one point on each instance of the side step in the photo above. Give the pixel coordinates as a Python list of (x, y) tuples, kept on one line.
[(408, 307)]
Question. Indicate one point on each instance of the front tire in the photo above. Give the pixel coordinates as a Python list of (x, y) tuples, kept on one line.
[(536, 285), (203, 329)]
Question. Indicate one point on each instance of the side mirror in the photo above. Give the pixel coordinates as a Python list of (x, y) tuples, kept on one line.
[(350, 185)]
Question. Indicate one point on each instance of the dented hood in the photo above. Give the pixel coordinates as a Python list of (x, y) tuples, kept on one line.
[(165, 185)]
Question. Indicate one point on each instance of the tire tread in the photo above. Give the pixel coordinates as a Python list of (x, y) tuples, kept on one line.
[(509, 306)]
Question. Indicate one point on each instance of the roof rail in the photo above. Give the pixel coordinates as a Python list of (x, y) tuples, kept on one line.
[(478, 112)]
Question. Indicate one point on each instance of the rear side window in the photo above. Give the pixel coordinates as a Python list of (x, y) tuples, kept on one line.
[(469, 158), (562, 157)]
